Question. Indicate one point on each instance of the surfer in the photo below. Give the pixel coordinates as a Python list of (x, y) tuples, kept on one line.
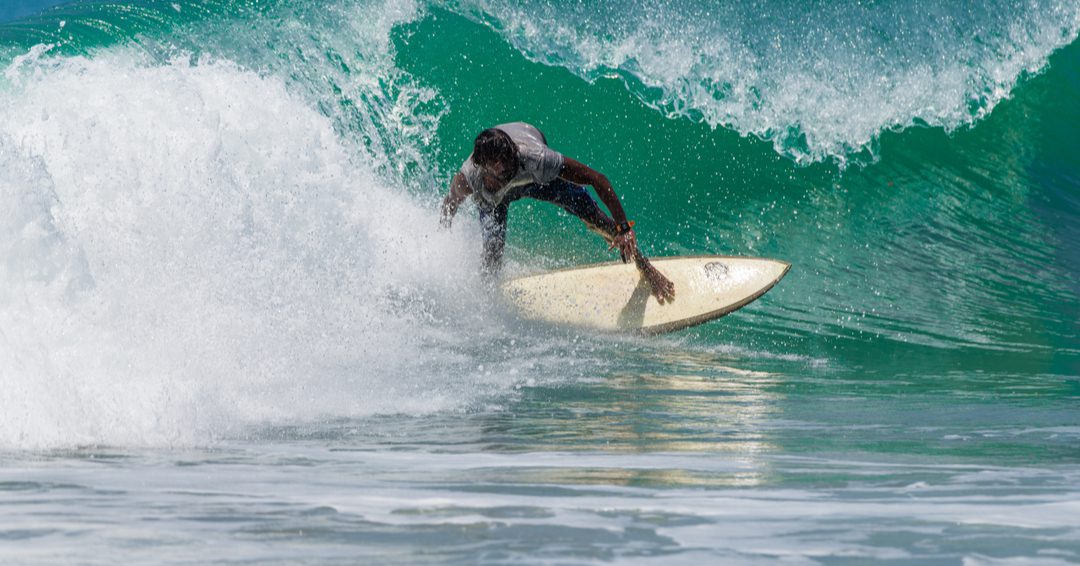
[(512, 161)]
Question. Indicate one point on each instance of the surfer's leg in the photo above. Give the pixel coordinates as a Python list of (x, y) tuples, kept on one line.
[(576, 200), (493, 228)]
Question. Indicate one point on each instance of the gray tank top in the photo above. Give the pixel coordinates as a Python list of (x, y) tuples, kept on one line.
[(539, 163)]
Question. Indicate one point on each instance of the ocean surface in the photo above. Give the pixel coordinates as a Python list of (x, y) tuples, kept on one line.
[(231, 332)]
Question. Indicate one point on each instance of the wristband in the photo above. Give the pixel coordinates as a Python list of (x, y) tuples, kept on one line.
[(623, 227)]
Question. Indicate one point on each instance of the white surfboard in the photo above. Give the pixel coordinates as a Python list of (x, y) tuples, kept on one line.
[(614, 297)]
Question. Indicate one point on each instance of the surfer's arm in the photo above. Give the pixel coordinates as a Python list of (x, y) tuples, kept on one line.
[(577, 172), (459, 191)]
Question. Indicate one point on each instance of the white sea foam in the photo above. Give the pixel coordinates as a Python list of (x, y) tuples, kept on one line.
[(819, 82), (187, 248), (652, 510)]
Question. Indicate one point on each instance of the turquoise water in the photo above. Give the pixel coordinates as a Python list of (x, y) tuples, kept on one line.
[(230, 330)]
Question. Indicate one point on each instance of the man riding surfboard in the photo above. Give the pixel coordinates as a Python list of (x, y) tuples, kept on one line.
[(512, 161)]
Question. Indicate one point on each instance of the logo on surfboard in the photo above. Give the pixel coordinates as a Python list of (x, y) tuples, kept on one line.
[(715, 270)]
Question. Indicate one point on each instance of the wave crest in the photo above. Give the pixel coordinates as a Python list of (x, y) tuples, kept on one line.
[(818, 81)]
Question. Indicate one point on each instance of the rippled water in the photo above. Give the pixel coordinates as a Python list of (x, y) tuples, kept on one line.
[(231, 332)]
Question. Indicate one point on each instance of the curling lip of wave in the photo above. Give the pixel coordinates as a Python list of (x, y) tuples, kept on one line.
[(815, 89)]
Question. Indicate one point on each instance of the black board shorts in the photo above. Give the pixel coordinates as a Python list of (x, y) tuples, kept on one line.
[(571, 197)]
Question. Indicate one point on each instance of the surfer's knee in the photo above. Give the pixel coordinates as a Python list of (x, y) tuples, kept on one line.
[(491, 259)]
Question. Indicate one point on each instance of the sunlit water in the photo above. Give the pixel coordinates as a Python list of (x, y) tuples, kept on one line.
[(230, 330)]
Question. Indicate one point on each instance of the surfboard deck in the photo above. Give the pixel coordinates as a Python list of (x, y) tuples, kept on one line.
[(613, 297)]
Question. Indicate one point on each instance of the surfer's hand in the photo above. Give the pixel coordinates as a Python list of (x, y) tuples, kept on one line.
[(662, 287), (626, 244)]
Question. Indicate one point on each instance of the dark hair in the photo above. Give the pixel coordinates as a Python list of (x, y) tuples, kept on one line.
[(494, 146)]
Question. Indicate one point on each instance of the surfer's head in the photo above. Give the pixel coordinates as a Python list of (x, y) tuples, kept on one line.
[(497, 156)]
